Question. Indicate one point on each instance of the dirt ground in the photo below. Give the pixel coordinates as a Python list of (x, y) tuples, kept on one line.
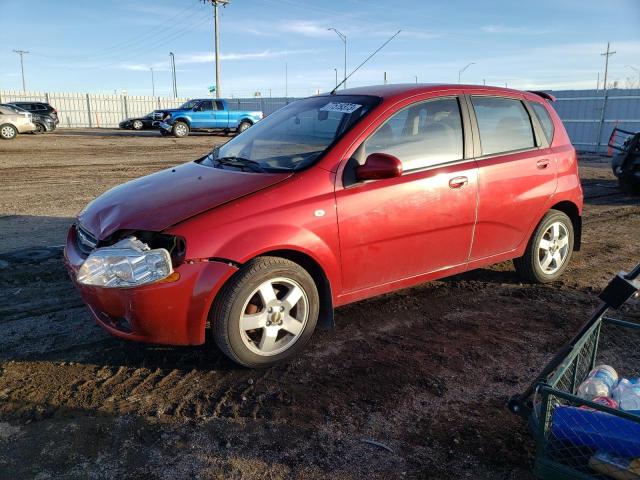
[(408, 385)]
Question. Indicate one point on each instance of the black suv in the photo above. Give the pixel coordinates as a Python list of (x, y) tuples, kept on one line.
[(41, 109)]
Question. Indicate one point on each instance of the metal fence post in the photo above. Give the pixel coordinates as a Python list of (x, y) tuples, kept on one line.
[(126, 108), (89, 110)]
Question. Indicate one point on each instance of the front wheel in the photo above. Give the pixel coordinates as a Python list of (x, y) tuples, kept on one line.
[(137, 125), (549, 249), (266, 313), (180, 129), (8, 132)]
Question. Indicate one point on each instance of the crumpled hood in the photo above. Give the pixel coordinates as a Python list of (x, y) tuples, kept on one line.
[(160, 200)]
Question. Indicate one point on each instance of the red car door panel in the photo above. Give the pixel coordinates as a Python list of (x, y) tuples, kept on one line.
[(406, 226), (513, 190)]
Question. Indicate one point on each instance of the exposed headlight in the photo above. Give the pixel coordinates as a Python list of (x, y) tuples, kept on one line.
[(128, 263)]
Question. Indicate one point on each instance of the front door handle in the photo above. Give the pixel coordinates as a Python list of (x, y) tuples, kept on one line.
[(541, 164), (458, 182)]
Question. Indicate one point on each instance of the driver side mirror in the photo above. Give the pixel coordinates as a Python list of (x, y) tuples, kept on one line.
[(378, 166)]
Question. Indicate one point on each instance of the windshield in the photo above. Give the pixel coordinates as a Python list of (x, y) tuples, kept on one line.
[(295, 136), (188, 105), (14, 108)]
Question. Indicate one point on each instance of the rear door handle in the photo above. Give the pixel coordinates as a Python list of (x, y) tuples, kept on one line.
[(458, 182), (541, 164)]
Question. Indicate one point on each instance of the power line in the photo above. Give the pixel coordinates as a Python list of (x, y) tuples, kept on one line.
[(22, 53)]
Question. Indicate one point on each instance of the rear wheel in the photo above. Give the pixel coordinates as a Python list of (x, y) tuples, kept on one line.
[(266, 313), (180, 129), (40, 128), (243, 126), (549, 249), (137, 125), (8, 131)]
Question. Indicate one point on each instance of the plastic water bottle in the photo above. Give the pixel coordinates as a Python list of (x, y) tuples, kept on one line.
[(627, 394), (599, 383)]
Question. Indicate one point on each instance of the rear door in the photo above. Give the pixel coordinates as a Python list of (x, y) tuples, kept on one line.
[(517, 173), (420, 222), (220, 115)]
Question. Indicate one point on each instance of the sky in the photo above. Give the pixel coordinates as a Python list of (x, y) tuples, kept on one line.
[(110, 45)]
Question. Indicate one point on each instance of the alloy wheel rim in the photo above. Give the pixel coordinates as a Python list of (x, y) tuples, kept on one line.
[(553, 248), (137, 125), (274, 316), (181, 129), (8, 132)]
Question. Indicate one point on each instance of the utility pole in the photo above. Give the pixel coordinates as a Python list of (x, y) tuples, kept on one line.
[(598, 83), (336, 70), (173, 74), (21, 53), (286, 81), (416, 78), (215, 4), (461, 71), (343, 37), (153, 84), (385, 78), (606, 55)]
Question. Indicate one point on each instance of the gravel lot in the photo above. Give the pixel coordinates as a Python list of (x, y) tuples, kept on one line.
[(409, 385)]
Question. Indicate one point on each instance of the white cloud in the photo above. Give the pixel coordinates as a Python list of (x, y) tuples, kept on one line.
[(502, 29), (306, 28)]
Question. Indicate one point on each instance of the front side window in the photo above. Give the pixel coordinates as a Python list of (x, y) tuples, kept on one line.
[(295, 136), (504, 125), (206, 106), (545, 119), (189, 105), (421, 135)]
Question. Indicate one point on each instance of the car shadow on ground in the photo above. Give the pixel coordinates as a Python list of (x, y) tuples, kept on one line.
[(115, 132)]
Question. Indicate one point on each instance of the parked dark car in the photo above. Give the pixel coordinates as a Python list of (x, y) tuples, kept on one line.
[(43, 123), (139, 123), (39, 108)]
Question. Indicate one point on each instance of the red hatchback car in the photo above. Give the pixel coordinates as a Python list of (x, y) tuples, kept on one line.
[(329, 200)]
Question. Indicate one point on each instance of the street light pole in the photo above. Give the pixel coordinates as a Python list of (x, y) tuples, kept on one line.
[(173, 73), (336, 70), (461, 71), (21, 53), (343, 37), (153, 84), (416, 78)]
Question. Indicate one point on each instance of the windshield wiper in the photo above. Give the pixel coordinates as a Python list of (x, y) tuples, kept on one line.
[(240, 163)]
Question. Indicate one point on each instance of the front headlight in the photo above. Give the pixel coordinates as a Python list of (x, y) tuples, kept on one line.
[(128, 263)]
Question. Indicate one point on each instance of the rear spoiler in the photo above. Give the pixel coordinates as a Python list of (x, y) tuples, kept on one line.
[(545, 95)]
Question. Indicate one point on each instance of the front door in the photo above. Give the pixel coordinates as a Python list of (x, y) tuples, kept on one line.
[(417, 223), (201, 117)]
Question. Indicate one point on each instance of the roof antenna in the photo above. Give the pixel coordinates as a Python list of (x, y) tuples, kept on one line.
[(365, 61)]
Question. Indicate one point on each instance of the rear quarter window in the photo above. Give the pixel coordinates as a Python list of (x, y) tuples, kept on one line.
[(545, 119), (504, 125)]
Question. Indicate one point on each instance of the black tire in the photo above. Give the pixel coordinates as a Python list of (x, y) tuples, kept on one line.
[(164, 133), (243, 126), (137, 125), (228, 307), (8, 131), (529, 265), (180, 129), (40, 128)]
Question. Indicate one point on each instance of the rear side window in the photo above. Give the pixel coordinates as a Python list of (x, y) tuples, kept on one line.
[(421, 135), (504, 125), (545, 119), (218, 105)]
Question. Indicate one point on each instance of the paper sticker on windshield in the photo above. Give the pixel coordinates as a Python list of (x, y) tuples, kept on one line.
[(340, 107)]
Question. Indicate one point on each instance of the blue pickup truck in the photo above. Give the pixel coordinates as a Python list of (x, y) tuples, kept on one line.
[(204, 114)]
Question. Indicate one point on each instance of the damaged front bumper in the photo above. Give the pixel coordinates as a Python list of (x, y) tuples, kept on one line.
[(173, 311)]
